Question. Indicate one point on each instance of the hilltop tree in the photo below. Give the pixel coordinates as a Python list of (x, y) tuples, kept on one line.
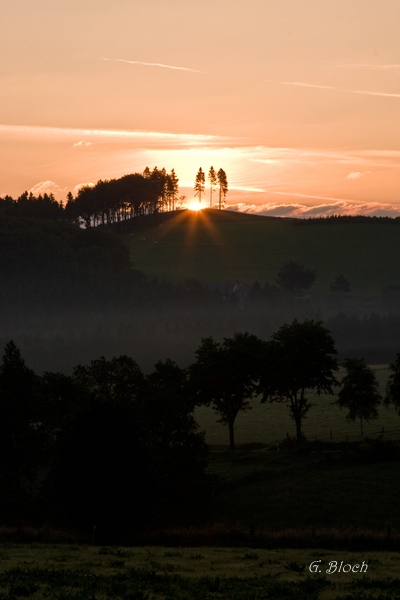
[(212, 179), (226, 376), (172, 189), (295, 278), (299, 358), (199, 184), (223, 186), (340, 285), (359, 392)]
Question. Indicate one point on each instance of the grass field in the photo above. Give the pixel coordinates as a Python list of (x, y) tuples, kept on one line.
[(221, 246), (270, 423), (161, 573)]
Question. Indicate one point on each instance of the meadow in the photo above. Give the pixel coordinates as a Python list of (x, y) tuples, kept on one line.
[(220, 246), (270, 423), (162, 573)]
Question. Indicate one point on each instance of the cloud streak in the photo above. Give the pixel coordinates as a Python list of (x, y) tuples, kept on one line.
[(373, 66), (150, 64), (39, 131), (331, 88), (301, 211)]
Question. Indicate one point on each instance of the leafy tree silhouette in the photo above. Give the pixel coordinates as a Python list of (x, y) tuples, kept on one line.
[(20, 426), (359, 392), (295, 278), (298, 359), (340, 285), (393, 385), (226, 376)]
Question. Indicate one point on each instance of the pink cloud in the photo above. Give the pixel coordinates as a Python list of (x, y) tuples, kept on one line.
[(47, 187), (301, 211)]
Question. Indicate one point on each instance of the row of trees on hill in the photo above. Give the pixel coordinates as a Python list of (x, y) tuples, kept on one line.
[(216, 180), (116, 200), (109, 201), (43, 206)]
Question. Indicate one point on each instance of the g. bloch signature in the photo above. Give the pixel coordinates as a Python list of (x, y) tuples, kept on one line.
[(338, 567)]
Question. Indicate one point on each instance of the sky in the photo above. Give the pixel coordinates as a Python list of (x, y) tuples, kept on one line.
[(297, 100)]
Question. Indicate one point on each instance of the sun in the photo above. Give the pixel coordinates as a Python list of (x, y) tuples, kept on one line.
[(195, 205)]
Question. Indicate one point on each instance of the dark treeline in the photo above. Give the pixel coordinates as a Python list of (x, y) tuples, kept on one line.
[(106, 447), (108, 201), (111, 447)]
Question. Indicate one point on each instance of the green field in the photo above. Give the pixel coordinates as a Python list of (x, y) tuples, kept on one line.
[(154, 573), (270, 423), (220, 246)]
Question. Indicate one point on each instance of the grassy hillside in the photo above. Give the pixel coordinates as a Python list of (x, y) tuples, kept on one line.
[(222, 246)]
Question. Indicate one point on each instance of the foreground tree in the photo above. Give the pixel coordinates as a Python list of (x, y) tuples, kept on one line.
[(393, 385), (295, 278), (223, 187), (20, 427), (298, 359), (226, 376), (130, 454), (359, 392), (199, 184)]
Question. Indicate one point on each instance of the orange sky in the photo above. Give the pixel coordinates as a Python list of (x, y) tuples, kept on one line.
[(297, 100)]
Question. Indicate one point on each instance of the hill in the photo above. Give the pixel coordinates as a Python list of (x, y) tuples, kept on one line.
[(221, 246)]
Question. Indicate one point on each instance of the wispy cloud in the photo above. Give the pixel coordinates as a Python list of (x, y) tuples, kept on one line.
[(301, 211), (357, 174), (328, 87), (373, 66), (83, 143), (150, 64), (40, 131)]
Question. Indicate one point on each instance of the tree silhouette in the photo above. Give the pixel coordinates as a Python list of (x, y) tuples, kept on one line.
[(359, 392), (223, 187), (226, 376), (172, 190), (20, 425), (212, 179), (340, 285), (298, 359), (199, 184), (393, 385), (295, 278)]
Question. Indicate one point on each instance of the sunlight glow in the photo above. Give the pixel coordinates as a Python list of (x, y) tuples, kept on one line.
[(195, 205)]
